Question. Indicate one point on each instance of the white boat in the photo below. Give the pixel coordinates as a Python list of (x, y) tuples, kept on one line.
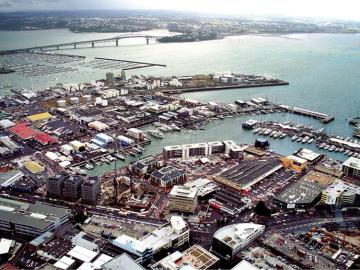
[(267, 132), (327, 147), (262, 131), (305, 139), (88, 166), (156, 133), (256, 130), (347, 152), (321, 130), (332, 148), (283, 135), (277, 134), (299, 139), (293, 138), (119, 156), (350, 154), (322, 145), (311, 141), (355, 155), (175, 127), (272, 134)]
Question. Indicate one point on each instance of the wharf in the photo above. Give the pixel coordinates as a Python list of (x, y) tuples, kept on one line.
[(325, 118), (224, 87)]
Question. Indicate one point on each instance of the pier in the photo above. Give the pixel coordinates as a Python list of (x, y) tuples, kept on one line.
[(131, 64), (325, 118)]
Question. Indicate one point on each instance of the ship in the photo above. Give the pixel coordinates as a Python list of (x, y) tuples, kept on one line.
[(249, 124), (156, 133), (6, 70), (356, 131)]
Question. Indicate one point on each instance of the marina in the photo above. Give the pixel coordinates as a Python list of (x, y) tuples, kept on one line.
[(305, 135)]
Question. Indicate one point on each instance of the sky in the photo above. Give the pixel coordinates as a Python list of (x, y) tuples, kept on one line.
[(337, 9)]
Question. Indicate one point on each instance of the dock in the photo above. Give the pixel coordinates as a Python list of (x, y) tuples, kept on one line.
[(325, 118)]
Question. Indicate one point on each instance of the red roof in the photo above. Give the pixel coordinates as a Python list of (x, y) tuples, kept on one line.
[(44, 138), (23, 131)]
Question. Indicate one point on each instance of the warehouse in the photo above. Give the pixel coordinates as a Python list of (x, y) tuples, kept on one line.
[(102, 140), (23, 131), (6, 123), (44, 139), (39, 117), (10, 144), (248, 172), (99, 126)]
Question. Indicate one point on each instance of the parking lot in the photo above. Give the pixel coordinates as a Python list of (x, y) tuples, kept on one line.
[(116, 227)]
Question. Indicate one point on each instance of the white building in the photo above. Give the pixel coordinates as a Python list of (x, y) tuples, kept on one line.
[(136, 133), (173, 235), (202, 185), (229, 240), (183, 199), (340, 193), (99, 126), (351, 167)]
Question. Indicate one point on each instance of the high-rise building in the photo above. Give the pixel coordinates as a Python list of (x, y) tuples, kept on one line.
[(123, 75), (55, 184), (91, 189), (72, 188), (109, 78)]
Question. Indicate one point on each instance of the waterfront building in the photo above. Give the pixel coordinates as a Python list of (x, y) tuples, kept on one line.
[(102, 140), (216, 148), (196, 149), (228, 241), (183, 199), (144, 165), (309, 155), (351, 167), (30, 219), (174, 151), (295, 163)]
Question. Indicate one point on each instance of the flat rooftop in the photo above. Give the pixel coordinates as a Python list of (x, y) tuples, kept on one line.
[(248, 172), (300, 192), (235, 234), (352, 163)]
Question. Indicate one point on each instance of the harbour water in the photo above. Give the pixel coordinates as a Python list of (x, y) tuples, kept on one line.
[(323, 71)]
